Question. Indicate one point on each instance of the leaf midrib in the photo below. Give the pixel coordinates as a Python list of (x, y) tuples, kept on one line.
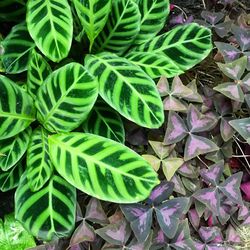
[(16, 116)]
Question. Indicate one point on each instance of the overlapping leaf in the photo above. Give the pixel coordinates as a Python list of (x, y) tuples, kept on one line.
[(50, 24), (17, 48), (106, 122), (121, 28), (39, 167), (72, 91), (154, 14), (38, 71), (12, 10), (126, 88), (16, 109), (12, 149), (242, 126), (169, 54), (93, 15), (48, 213), (105, 169)]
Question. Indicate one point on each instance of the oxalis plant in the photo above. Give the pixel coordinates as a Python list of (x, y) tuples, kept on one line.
[(71, 70)]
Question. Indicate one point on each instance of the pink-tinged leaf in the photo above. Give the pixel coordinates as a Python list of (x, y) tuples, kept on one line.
[(160, 149), (95, 212), (197, 145), (173, 104), (163, 86), (218, 247), (153, 161), (234, 70), (222, 105), (161, 193), (169, 213), (242, 36), (226, 130), (84, 232), (224, 214), (195, 96), (242, 126), (246, 81), (231, 188), (179, 89), (188, 170), (208, 234), (246, 221), (213, 174), (245, 187), (176, 129), (194, 218), (229, 52), (134, 211), (243, 212), (231, 90), (200, 207), (116, 234), (170, 166), (209, 197), (212, 17), (232, 236), (198, 122), (145, 245), (160, 238), (178, 186), (199, 245)]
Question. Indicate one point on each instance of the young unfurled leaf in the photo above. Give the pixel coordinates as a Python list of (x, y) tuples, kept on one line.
[(231, 188), (12, 149), (170, 166), (117, 233), (242, 126), (176, 129), (197, 122), (168, 215), (213, 174), (95, 212), (197, 145), (209, 197)]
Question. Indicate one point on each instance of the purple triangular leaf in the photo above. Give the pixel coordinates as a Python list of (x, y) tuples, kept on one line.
[(188, 170), (222, 105), (232, 236), (169, 213), (160, 149), (208, 234), (159, 239), (134, 211), (246, 81), (161, 193), (176, 129), (213, 174), (229, 52), (179, 89), (212, 17), (194, 218), (209, 197), (163, 86), (224, 214), (116, 234), (197, 145), (195, 96), (242, 36), (198, 122), (225, 129), (178, 185), (243, 212), (223, 28), (145, 245), (95, 212), (173, 104), (231, 188), (199, 246)]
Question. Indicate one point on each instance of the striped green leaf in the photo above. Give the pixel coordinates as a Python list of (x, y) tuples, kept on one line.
[(121, 28), (183, 47), (106, 122), (12, 149), (48, 213), (38, 71), (10, 179), (101, 167), (17, 110), (93, 15), (39, 167), (17, 48), (12, 10), (72, 92), (126, 88), (50, 24), (154, 14)]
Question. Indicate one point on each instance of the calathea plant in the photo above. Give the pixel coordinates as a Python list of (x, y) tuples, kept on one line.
[(69, 138)]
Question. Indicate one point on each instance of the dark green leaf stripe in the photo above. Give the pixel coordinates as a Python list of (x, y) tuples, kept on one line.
[(93, 15), (38, 70), (10, 179), (184, 47), (49, 213), (121, 28), (72, 92), (126, 88), (50, 24), (101, 167), (12, 10), (17, 48), (154, 14), (106, 122), (12, 149), (17, 110), (39, 167)]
